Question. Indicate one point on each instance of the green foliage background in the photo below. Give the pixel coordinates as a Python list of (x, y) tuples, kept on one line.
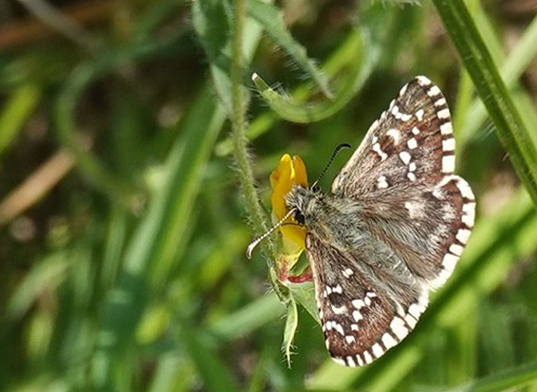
[(131, 141)]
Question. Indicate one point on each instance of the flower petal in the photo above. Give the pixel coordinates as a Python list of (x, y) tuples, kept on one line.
[(288, 173)]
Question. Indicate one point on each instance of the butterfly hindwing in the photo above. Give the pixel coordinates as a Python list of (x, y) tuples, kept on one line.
[(364, 312), (427, 229)]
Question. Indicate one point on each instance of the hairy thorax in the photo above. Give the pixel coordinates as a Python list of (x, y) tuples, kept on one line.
[(330, 218)]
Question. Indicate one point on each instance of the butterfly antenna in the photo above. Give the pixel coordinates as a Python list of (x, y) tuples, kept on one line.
[(254, 243), (334, 154)]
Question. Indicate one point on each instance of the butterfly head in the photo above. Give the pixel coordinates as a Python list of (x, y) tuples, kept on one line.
[(305, 202)]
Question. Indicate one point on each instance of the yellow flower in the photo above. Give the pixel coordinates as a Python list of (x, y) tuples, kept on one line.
[(289, 172)]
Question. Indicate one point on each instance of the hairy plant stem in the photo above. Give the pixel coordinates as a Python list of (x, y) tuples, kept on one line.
[(238, 120)]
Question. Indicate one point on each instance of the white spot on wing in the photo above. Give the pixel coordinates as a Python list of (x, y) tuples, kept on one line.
[(468, 220), (456, 249), (440, 102), (412, 143), (423, 80), (448, 145), (358, 303), (382, 183), (340, 361), (465, 189), (377, 350), (450, 261), (446, 129), (443, 114), (405, 157), (367, 357), (415, 209), (415, 310), (433, 91), (357, 316), (411, 321), (448, 164), (381, 154), (398, 327), (388, 341), (339, 309), (337, 289), (395, 135)]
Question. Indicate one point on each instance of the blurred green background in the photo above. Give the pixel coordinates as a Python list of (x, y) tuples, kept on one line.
[(124, 228)]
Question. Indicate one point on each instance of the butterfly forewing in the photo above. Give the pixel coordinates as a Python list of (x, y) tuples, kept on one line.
[(410, 146)]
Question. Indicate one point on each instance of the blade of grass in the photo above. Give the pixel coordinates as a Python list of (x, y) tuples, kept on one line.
[(491, 88), (249, 318), (153, 243), (513, 67), (518, 377), (110, 184), (16, 111), (216, 377)]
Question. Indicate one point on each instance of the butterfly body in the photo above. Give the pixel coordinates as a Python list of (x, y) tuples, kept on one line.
[(332, 219), (392, 228)]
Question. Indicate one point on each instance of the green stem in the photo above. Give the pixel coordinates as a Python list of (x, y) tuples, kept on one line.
[(491, 89), (238, 120)]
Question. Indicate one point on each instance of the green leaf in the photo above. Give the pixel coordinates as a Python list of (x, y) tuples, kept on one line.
[(272, 21), (16, 111), (518, 378), (304, 294), (291, 325)]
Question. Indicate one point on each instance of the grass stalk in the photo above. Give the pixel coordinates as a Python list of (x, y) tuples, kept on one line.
[(491, 89)]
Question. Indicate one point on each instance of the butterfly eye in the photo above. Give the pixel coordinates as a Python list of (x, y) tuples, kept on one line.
[(316, 188), (299, 217)]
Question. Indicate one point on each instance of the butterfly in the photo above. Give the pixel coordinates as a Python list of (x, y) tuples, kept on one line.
[(391, 230)]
